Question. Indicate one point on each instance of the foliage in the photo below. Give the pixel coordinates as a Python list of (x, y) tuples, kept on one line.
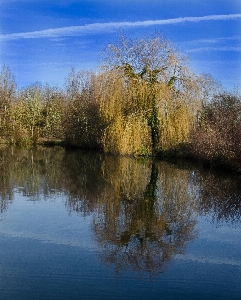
[(144, 100), (127, 135), (83, 122), (37, 114), (152, 82), (53, 114), (7, 96), (218, 137)]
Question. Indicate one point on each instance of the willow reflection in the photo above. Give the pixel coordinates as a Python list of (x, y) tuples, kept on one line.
[(143, 212), (145, 215)]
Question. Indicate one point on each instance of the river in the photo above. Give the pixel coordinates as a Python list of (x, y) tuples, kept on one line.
[(80, 224)]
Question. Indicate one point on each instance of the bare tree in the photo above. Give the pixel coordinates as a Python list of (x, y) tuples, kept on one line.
[(7, 94)]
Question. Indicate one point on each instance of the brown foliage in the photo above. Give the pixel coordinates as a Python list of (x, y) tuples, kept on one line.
[(218, 137)]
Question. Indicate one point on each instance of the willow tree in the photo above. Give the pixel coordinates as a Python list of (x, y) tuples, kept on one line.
[(154, 74)]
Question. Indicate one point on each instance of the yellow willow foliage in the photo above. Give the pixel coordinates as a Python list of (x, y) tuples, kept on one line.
[(174, 128), (137, 96), (118, 95), (128, 135), (128, 106), (122, 105), (176, 117), (109, 94)]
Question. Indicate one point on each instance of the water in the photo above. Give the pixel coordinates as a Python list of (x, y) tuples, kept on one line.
[(83, 225)]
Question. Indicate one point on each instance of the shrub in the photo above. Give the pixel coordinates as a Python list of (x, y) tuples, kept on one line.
[(218, 136)]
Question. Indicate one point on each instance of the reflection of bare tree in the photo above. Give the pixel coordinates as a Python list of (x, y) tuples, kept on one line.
[(83, 180), (6, 182), (33, 173), (44, 172), (39, 172), (220, 196), (142, 229), (143, 212)]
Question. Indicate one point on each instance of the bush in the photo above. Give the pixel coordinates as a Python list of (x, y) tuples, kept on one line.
[(218, 136)]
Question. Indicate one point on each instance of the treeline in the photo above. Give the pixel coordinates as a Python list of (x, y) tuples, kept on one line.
[(143, 100)]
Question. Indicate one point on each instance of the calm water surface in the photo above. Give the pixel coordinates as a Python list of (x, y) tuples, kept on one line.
[(83, 225)]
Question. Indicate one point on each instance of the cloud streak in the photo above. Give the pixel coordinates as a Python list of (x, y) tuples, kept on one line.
[(97, 28), (201, 49), (216, 40), (213, 40)]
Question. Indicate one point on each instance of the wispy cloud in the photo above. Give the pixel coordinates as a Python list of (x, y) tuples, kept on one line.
[(213, 40), (109, 27), (202, 49), (220, 39)]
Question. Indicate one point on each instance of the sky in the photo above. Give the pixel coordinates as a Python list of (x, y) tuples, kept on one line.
[(42, 40)]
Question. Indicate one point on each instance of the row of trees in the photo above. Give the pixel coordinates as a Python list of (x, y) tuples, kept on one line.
[(143, 100)]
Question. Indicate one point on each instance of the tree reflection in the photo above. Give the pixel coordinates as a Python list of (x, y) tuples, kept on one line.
[(34, 173), (143, 229), (83, 180), (144, 212), (219, 196), (6, 182)]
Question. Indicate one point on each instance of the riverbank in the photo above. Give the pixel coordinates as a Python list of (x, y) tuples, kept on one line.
[(181, 153)]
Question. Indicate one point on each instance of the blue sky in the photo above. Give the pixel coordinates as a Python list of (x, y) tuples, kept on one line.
[(41, 40)]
